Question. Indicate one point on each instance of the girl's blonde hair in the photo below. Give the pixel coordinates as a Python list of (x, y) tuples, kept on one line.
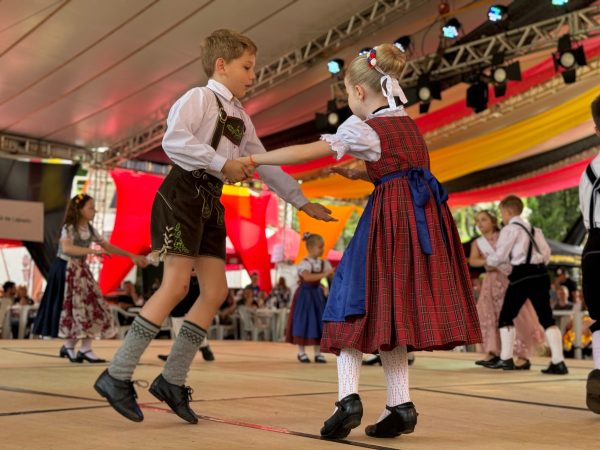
[(389, 59), (311, 239)]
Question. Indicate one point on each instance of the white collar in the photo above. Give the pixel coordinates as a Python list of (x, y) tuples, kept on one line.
[(223, 91), (517, 219)]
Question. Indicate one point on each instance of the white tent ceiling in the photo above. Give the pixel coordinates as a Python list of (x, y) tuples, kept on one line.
[(92, 73)]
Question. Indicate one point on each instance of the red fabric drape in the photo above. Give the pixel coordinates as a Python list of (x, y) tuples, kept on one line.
[(135, 194), (544, 183), (245, 220)]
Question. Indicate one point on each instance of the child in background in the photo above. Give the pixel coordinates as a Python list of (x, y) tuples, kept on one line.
[(73, 307), (306, 314)]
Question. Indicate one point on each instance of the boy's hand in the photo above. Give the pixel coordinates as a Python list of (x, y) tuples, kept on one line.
[(351, 174), (318, 211), (235, 170)]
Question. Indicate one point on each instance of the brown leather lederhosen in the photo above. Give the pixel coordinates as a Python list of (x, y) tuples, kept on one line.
[(187, 217)]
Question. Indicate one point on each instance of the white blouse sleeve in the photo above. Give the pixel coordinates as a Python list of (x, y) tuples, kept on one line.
[(326, 265), (304, 266), (355, 138), (96, 236), (67, 232)]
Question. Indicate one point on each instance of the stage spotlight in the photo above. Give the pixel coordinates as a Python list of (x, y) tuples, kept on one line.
[(567, 59), (502, 74), (333, 116), (335, 66), (364, 52), (560, 2), (497, 13), (426, 91), (403, 43), (477, 96), (451, 28)]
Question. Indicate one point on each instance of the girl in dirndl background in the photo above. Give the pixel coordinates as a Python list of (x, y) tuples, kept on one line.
[(306, 314), (73, 307)]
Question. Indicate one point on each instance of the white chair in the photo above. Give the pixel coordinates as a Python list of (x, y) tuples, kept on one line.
[(26, 311), (116, 312), (5, 305)]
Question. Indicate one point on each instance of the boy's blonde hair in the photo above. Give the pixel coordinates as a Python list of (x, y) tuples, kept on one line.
[(226, 44), (389, 59), (512, 203)]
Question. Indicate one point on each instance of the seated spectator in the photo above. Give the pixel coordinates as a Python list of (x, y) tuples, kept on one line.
[(21, 297), (562, 299), (248, 301), (282, 294), (564, 279), (9, 291), (228, 309), (254, 284), (129, 297)]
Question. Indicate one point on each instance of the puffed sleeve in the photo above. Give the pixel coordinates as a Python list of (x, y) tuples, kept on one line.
[(326, 265), (67, 232), (355, 138), (304, 266)]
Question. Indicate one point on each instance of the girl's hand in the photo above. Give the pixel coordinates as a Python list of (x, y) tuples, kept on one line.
[(99, 252), (351, 174), (140, 261)]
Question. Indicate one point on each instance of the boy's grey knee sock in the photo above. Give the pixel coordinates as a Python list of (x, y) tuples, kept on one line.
[(182, 353), (138, 337)]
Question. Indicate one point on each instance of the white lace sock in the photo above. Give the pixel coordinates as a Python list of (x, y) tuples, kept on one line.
[(507, 342), (395, 368), (348, 367), (70, 346), (317, 350), (596, 348), (301, 350), (554, 339)]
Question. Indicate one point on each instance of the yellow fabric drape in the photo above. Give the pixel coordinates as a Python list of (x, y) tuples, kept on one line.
[(469, 156), (329, 230)]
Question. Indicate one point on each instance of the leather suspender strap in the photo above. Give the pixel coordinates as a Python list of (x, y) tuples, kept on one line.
[(532, 242), (595, 180), (220, 125)]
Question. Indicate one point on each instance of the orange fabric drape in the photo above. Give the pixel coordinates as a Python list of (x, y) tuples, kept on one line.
[(330, 231)]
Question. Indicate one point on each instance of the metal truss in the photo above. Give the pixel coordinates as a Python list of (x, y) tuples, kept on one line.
[(136, 145), (13, 146), (536, 93), (300, 59), (461, 59)]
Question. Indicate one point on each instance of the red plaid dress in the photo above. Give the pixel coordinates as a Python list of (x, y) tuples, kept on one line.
[(423, 302)]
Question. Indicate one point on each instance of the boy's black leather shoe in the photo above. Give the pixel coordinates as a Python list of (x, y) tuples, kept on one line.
[(177, 397), (120, 394)]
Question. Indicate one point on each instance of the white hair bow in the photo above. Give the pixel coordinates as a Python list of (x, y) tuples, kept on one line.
[(391, 88)]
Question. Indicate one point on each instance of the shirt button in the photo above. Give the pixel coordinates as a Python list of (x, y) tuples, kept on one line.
[(204, 177), (196, 173)]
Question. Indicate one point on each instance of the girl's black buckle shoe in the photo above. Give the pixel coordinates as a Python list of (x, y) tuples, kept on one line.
[(64, 353), (347, 416), (84, 357), (401, 420)]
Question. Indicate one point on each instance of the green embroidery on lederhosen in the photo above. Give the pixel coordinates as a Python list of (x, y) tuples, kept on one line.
[(178, 244)]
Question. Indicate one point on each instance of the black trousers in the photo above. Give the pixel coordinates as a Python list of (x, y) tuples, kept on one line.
[(590, 269), (527, 281)]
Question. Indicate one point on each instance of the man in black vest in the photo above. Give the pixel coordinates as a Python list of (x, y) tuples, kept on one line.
[(589, 202)]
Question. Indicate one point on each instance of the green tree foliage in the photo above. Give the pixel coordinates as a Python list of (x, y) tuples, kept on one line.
[(554, 213)]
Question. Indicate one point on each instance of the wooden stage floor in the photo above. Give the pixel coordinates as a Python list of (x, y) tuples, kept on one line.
[(257, 396)]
